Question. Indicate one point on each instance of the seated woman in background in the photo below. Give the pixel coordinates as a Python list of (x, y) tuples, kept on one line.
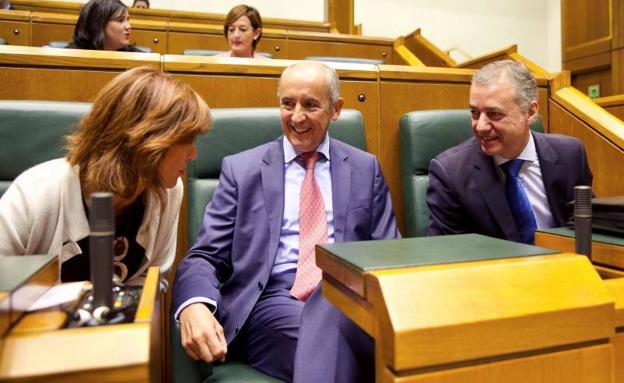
[(141, 4), (103, 25), (135, 143), (243, 30)]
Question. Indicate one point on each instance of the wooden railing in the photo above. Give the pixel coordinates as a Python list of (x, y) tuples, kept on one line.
[(612, 104), (601, 132)]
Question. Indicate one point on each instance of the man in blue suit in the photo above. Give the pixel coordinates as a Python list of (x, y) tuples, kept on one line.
[(232, 292), (469, 185)]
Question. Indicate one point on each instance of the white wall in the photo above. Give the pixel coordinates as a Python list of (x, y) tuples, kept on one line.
[(476, 27)]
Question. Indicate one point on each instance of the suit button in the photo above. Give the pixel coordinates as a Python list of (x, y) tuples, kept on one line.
[(236, 330), (260, 287)]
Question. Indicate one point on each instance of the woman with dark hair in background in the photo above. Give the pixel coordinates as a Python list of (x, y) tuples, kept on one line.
[(243, 30), (136, 143), (103, 25), (141, 4)]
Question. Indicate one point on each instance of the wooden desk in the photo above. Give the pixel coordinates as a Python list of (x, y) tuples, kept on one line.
[(474, 309), (117, 353), (607, 250), (608, 259)]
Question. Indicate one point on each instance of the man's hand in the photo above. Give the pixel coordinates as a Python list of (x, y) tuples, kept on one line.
[(202, 335)]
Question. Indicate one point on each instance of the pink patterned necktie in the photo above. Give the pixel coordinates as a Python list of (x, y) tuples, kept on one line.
[(312, 231)]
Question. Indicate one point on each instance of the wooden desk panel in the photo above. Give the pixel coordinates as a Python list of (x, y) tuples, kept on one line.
[(69, 85), (155, 40), (180, 41), (116, 353), (15, 32), (43, 33), (300, 49)]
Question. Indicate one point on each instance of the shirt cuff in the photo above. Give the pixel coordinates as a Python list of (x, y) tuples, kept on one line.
[(211, 303)]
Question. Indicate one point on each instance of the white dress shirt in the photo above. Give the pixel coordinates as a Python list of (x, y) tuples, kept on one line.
[(531, 179), (294, 172)]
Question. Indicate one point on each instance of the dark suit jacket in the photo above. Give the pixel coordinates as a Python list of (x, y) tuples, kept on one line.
[(466, 195), (236, 247)]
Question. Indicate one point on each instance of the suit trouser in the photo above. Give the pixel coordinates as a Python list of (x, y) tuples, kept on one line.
[(331, 347), (268, 340)]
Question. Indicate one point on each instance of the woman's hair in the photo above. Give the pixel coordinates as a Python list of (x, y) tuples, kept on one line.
[(89, 30), (244, 10), (134, 120), (145, 1)]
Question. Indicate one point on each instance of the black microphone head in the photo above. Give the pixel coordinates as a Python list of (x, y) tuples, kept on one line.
[(582, 201), (101, 212)]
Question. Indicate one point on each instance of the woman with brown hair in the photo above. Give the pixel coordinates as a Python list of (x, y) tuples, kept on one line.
[(242, 30), (135, 143), (103, 25)]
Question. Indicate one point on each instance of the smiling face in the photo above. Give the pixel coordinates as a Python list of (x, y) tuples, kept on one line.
[(241, 36), (117, 31), (305, 106), (498, 122), (174, 162)]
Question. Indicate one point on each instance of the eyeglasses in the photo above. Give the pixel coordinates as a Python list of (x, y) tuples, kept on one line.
[(120, 249)]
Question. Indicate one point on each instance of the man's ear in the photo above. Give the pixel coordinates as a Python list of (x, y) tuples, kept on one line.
[(337, 108), (532, 112)]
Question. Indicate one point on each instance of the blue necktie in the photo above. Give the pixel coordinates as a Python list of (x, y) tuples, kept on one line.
[(519, 201)]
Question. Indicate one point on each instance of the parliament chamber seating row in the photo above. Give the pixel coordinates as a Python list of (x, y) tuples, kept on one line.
[(382, 94), (233, 130), (27, 28)]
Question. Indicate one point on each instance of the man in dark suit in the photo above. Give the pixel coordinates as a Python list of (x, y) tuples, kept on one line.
[(471, 189), (241, 288)]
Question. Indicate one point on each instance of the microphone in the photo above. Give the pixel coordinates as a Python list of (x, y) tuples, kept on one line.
[(102, 225), (582, 219)]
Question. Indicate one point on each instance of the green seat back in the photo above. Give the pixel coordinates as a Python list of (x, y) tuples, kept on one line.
[(32, 132), (423, 135), (238, 129)]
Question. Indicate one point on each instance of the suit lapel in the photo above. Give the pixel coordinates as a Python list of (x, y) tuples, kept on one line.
[(272, 170), (553, 176), (341, 187), (493, 193)]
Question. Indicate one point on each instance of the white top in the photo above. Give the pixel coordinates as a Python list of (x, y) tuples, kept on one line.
[(42, 213)]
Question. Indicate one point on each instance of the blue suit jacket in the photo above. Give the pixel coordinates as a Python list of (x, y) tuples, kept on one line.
[(466, 195), (236, 247)]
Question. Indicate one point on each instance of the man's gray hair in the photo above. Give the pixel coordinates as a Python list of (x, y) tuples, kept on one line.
[(524, 84), (332, 80)]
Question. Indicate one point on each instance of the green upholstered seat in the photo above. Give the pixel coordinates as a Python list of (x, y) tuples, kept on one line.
[(235, 130), (423, 135), (211, 52), (32, 132), (350, 60)]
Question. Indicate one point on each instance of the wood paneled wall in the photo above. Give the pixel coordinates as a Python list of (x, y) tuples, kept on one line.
[(613, 105), (593, 43)]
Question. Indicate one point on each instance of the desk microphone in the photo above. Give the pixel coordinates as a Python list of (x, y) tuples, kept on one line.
[(102, 224), (582, 219)]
